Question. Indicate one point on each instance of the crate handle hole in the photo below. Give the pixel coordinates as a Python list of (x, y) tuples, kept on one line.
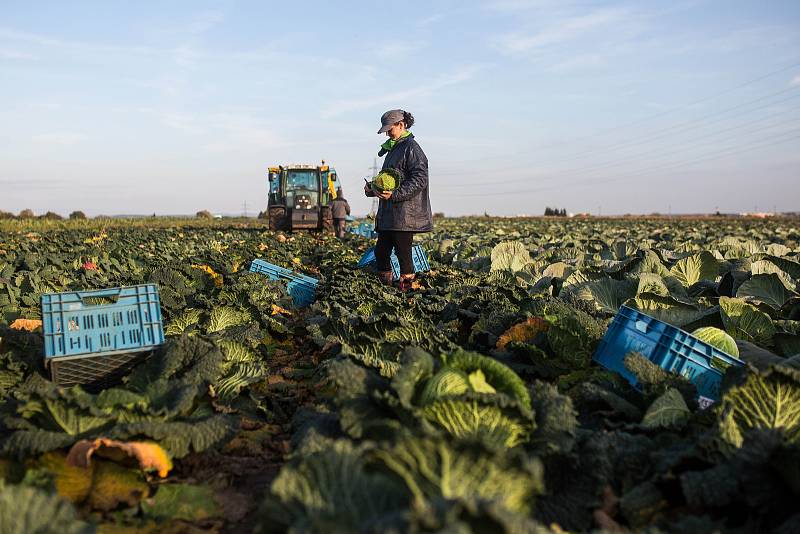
[(641, 326), (100, 300)]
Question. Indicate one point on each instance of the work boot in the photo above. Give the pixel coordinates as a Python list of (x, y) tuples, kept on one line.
[(386, 278), (406, 282)]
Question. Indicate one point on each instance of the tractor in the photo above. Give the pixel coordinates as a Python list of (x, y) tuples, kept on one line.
[(299, 197)]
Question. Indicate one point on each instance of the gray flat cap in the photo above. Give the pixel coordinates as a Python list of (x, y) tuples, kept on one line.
[(390, 117)]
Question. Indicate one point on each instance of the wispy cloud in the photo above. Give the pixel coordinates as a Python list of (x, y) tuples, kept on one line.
[(561, 31), (427, 21), (456, 77), (399, 50), (795, 81)]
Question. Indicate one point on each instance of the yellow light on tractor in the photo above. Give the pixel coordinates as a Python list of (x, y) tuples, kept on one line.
[(274, 169), (323, 168)]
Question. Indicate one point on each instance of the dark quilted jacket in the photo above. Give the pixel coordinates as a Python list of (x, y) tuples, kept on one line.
[(409, 209)]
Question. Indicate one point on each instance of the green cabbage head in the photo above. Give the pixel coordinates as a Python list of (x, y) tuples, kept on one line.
[(387, 180), (717, 338), (445, 383)]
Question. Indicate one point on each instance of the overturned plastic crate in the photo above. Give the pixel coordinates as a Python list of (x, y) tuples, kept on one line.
[(94, 338), (300, 287), (364, 230), (418, 256), (669, 347)]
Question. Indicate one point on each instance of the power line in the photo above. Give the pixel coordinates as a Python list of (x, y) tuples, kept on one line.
[(655, 115), (658, 151), (669, 130), (738, 149)]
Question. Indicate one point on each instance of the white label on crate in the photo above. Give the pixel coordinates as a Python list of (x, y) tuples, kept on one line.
[(74, 306), (704, 402)]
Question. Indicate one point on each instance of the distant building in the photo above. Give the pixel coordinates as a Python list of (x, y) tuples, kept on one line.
[(758, 215)]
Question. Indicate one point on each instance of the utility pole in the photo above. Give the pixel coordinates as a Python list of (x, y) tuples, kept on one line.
[(374, 167), (245, 209)]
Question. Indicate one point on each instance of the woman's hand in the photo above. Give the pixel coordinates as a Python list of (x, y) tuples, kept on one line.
[(385, 195)]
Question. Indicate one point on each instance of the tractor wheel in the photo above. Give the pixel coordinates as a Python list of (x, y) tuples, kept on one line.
[(277, 218)]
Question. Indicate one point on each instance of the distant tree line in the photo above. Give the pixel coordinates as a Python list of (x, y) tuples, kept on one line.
[(555, 212), (50, 215)]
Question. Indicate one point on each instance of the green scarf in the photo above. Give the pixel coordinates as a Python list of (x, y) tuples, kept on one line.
[(390, 143)]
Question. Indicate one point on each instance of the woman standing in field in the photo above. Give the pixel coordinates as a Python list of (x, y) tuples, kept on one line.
[(406, 210)]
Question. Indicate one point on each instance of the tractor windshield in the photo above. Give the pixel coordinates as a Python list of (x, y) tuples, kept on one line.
[(302, 180), (302, 189)]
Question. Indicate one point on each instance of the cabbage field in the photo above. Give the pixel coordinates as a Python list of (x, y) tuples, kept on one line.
[(469, 404)]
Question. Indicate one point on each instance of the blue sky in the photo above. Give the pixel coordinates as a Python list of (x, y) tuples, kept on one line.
[(172, 107)]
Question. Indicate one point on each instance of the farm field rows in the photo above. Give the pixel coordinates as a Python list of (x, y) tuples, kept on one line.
[(470, 404)]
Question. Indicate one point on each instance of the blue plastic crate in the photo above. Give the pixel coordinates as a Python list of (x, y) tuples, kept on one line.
[(300, 287), (93, 338), (418, 256), (101, 321), (365, 230), (669, 347)]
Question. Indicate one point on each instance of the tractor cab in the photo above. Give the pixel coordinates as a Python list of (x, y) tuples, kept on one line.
[(299, 197)]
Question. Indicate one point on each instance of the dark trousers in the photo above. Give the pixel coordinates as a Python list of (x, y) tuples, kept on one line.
[(338, 227), (401, 243)]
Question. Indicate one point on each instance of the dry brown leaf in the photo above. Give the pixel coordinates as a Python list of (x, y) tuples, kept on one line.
[(148, 455), (277, 309), (26, 324), (523, 332)]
